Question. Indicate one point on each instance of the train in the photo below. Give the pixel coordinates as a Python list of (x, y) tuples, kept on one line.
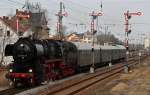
[(37, 61)]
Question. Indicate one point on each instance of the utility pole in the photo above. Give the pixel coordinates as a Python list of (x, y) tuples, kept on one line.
[(94, 16), (127, 16), (60, 15)]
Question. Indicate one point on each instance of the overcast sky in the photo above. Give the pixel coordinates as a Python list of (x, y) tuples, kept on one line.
[(78, 12)]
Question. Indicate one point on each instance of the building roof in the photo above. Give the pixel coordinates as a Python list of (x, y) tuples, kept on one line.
[(38, 19), (12, 23), (80, 35)]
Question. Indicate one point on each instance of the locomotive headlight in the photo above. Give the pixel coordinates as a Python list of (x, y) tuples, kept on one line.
[(10, 70), (30, 70)]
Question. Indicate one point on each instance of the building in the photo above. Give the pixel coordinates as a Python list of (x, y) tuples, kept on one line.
[(39, 25), (19, 25), (9, 33), (74, 37), (7, 36), (29, 23), (86, 37), (146, 43)]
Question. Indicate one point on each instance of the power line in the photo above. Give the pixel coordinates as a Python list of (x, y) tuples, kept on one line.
[(83, 6), (16, 2), (73, 9), (140, 23), (74, 16), (79, 6), (76, 8), (10, 5)]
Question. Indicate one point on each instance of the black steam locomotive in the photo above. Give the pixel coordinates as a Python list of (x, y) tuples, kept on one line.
[(36, 61)]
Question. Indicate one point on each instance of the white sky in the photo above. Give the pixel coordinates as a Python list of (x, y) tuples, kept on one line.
[(78, 12)]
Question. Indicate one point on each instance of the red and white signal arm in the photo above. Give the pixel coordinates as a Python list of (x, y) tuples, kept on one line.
[(65, 14), (23, 16), (137, 13), (95, 14)]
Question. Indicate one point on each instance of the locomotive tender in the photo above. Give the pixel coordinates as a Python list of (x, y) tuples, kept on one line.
[(36, 61)]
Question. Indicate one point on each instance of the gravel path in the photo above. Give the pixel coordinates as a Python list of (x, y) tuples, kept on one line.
[(3, 81)]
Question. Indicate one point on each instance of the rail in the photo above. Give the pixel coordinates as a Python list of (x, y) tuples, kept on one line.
[(78, 86)]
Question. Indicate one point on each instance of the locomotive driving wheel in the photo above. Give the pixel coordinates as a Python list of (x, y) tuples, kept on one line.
[(57, 73)]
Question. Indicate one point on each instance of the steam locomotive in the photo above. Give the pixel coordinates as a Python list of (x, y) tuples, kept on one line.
[(36, 61)]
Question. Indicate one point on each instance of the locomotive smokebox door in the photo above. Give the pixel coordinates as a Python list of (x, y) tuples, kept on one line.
[(8, 50)]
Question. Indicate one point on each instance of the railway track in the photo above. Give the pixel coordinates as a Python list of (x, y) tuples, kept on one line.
[(101, 75), (78, 86), (13, 91), (10, 91), (75, 88)]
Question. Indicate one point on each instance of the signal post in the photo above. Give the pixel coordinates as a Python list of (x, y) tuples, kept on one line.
[(60, 15), (128, 16), (20, 14), (94, 16)]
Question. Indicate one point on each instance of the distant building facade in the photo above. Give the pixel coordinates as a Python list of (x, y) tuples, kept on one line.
[(146, 42), (35, 24), (74, 37), (86, 37), (39, 25), (7, 36)]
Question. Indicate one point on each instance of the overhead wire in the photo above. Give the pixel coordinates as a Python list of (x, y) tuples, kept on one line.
[(16, 2), (87, 8), (73, 14), (108, 17), (79, 5), (8, 4)]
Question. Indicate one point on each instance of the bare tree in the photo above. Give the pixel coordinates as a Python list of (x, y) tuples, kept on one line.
[(107, 38)]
